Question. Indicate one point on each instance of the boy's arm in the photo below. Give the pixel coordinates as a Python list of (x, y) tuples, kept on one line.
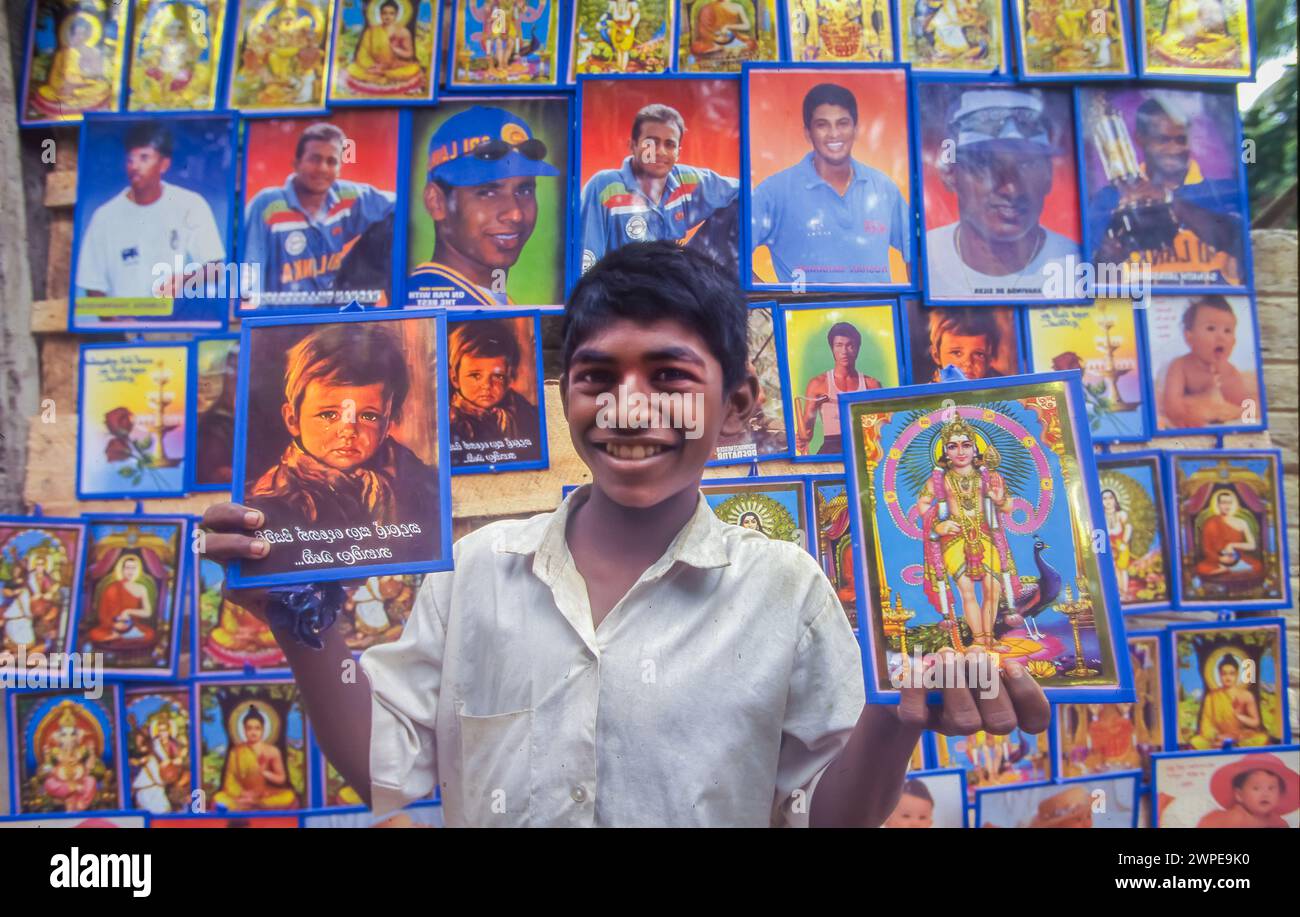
[(862, 784)]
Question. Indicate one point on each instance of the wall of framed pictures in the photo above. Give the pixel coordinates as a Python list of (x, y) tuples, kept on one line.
[(957, 173)]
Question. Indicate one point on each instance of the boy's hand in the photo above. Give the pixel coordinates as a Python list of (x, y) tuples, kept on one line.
[(230, 529), (1013, 699)]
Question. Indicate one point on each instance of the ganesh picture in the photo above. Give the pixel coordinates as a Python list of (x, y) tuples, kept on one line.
[(1099, 738), (764, 432), (1230, 535), (375, 610), (132, 420), (74, 59), (176, 49), (1133, 500), (1229, 789), (829, 31), (1230, 686), (39, 565), (130, 601), (1100, 340), (157, 731), (1196, 38), (717, 36), (777, 509), (281, 58), (622, 36), (505, 42), (976, 504), (1106, 802), (952, 35), (230, 637), (253, 746), (991, 760), (383, 50), (66, 753), (1060, 38), (835, 540)]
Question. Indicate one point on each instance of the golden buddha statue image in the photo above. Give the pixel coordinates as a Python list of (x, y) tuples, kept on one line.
[(384, 61), (1229, 711), (1197, 34), (254, 776), (174, 53), (281, 59), (241, 639), (80, 77), (723, 27)]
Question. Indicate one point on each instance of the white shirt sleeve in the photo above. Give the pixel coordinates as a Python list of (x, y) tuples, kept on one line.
[(92, 271), (826, 698), (205, 244), (405, 683)]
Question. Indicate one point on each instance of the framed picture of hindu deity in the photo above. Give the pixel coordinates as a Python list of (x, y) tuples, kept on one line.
[(952, 36), (1106, 738), (1230, 685), (978, 518), (384, 52), (228, 639), (837, 31), (513, 43), (281, 55), (177, 51), (40, 578), (1189, 40), (64, 755), (74, 62), (775, 506), (829, 499), (1134, 500), (621, 36), (1238, 788), (1230, 514), (1084, 802), (990, 760), (1085, 40), (156, 732)]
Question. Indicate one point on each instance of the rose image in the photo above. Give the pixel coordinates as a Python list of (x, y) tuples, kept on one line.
[(119, 421), (117, 450)]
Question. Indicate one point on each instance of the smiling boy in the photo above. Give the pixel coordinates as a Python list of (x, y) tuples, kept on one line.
[(629, 659)]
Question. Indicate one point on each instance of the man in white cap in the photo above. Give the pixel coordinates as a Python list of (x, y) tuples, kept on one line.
[(1001, 174)]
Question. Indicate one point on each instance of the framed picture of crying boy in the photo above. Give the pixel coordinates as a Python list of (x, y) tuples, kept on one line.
[(349, 458)]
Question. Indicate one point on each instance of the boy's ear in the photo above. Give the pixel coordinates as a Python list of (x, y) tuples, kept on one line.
[(435, 202), (290, 421), (740, 404), (564, 392)]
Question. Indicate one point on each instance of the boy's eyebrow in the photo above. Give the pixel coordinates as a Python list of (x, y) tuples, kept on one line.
[(685, 354)]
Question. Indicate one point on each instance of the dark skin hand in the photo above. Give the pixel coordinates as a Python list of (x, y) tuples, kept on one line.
[(338, 707)]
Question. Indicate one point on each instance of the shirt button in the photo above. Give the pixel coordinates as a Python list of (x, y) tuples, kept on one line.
[(579, 794)]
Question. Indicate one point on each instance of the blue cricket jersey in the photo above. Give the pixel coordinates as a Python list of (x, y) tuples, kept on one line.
[(434, 285), (299, 253), (809, 227), (615, 211)]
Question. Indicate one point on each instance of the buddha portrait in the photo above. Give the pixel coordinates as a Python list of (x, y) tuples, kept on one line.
[(241, 638), (384, 59), (1229, 547), (78, 79), (254, 776), (1229, 711), (123, 606)]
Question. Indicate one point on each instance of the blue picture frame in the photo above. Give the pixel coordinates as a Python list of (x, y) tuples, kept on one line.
[(451, 87), (778, 342), (1168, 730), (178, 686), (788, 383), (1183, 755), (207, 313), (1018, 31), (1280, 536), (814, 482), (111, 698), (544, 458), (1157, 287), (1144, 67), (75, 819), (234, 24), (808, 531), (1145, 413), (1261, 390), (574, 259), (960, 775), (912, 307), (307, 814), (937, 751), (220, 62), (747, 192), (435, 64), (88, 494), (194, 600), (787, 39), (236, 577), (1154, 460), (778, 23), (118, 103), (1122, 691), (192, 484), (924, 256), (1002, 67), (1118, 778), (571, 54), (1172, 738), (77, 566)]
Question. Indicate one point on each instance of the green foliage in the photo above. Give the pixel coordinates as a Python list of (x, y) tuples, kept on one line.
[(1271, 120)]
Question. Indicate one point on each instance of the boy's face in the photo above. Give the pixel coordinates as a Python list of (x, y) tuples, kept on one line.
[(1213, 335), (969, 353), (643, 466), (482, 381), (342, 425)]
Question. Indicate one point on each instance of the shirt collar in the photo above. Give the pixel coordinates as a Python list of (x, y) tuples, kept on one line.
[(633, 184), (700, 543), (291, 195), (808, 172)]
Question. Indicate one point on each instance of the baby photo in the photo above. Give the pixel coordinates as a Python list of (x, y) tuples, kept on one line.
[(343, 446), (1204, 357), (1094, 802), (494, 393), (1229, 789), (931, 799)]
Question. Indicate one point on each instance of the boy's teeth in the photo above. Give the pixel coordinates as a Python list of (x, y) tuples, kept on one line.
[(632, 452)]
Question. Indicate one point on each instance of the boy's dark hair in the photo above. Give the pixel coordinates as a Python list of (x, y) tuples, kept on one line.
[(648, 281), (349, 353), (844, 330), (321, 131), (1240, 780), (828, 94), (483, 338), (1198, 303), (150, 133)]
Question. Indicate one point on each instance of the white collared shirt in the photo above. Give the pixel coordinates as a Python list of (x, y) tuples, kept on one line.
[(714, 693)]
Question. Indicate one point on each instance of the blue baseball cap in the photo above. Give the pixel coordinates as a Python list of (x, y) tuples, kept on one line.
[(482, 145)]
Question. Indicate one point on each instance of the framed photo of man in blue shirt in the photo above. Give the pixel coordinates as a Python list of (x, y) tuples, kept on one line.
[(829, 205)]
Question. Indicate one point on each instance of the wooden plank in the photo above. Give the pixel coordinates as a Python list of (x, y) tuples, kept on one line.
[(50, 316), (60, 189), (1275, 252), (58, 268), (1277, 320)]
